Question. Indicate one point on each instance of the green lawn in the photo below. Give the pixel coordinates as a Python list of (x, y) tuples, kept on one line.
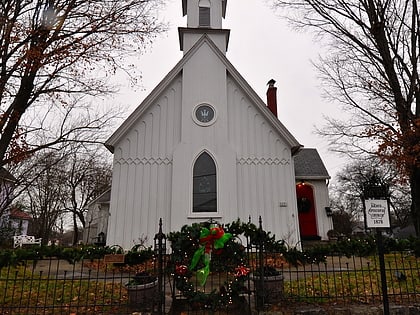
[(362, 285), (25, 289)]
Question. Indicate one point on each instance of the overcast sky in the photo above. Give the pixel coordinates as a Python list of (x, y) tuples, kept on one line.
[(262, 47)]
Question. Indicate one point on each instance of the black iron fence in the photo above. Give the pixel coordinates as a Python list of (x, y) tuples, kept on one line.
[(164, 284)]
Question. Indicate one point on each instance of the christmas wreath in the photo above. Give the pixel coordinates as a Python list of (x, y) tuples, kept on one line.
[(206, 250)]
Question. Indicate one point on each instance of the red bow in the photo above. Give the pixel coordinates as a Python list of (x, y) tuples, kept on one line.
[(181, 270), (242, 271), (215, 233)]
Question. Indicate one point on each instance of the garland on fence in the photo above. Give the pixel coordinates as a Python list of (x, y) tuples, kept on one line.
[(347, 247), (203, 249), (15, 257), (230, 258)]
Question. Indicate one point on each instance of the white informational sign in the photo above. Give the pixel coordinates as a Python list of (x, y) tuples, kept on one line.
[(377, 213)]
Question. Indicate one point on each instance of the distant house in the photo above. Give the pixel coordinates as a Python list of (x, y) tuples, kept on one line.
[(15, 221), (359, 228), (97, 219), (19, 221), (404, 232)]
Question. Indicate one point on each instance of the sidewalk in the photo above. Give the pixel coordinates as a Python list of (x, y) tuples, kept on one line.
[(344, 310)]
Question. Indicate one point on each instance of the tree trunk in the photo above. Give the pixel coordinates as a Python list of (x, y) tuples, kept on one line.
[(19, 106), (415, 196), (75, 230)]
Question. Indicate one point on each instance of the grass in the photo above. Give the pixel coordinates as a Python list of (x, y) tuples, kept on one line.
[(26, 290), (322, 284)]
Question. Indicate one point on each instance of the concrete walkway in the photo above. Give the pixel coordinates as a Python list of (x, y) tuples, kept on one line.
[(344, 310)]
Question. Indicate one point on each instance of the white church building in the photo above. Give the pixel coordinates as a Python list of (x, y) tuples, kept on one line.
[(203, 145)]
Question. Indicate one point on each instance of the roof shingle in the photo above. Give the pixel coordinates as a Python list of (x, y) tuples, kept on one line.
[(309, 165)]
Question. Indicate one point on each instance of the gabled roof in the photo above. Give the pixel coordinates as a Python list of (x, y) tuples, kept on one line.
[(15, 213), (308, 165), (5, 175), (253, 96), (105, 197)]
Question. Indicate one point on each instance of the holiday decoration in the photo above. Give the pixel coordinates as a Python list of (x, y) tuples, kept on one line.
[(242, 271), (210, 239), (209, 251), (181, 270)]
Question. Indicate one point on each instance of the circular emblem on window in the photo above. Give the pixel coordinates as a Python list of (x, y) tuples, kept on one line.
[(204, 114)]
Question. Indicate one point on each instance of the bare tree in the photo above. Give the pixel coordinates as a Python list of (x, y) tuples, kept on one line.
[(344, 223), (53, 52), (44, 197), (346, 193), (89, 130), (87, 176), (55, 184), (7, 183), (371, 68)]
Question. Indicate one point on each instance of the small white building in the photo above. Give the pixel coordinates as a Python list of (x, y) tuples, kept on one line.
[(97, 219), (203, 145), (19, 221), (16, 220)]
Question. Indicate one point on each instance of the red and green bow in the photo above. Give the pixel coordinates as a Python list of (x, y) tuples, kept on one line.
[(210, 239)]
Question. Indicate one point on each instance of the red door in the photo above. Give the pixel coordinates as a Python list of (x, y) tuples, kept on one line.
[(306, 211)]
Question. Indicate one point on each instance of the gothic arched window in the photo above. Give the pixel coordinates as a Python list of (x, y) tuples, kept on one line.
[(204, 184)]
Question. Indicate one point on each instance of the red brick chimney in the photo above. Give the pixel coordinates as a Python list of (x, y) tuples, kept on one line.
[(272, 97)]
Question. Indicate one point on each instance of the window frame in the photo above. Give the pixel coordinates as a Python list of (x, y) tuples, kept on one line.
[(204, 16), (204, 214), (204, 124)]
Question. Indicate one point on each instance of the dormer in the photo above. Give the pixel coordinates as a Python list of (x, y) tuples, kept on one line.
[(203, 17), (204, 13)]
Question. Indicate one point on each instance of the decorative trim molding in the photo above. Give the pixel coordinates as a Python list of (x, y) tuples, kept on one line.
[(146, 161), (262, 161)]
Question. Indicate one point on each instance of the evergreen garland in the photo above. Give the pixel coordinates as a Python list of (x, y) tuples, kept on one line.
[(16, 257), (228, 261)]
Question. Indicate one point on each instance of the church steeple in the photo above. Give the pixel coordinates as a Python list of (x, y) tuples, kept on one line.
[(203, 17), (204, 13)]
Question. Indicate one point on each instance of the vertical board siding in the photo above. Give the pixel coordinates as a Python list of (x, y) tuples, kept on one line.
[(264, 175), (142, 174)]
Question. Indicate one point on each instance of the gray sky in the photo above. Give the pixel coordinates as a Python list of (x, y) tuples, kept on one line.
[(262, 47)]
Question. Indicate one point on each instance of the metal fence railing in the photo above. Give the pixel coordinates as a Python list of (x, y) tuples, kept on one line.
[(354, 280), (102, 285), (53, 286)]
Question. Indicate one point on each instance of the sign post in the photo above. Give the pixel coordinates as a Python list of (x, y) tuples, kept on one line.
[(377, 213), (375, 202)]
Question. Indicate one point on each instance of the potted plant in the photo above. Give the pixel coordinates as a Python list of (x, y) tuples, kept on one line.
[(142, 289), (268, 285)]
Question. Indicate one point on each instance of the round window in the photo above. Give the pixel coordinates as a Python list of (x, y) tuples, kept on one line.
[(204, 114)]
